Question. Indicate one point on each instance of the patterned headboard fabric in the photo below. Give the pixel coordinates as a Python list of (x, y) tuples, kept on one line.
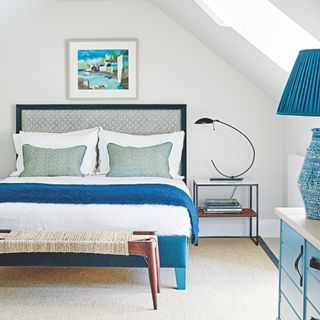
[(128, 118)]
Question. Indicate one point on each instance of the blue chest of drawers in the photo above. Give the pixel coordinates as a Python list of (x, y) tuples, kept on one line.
[(299, 267)]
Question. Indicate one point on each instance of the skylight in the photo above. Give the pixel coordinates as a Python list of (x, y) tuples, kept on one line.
[(264, 26)]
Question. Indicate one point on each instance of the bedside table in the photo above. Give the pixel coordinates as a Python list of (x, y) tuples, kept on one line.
[(250, 212)]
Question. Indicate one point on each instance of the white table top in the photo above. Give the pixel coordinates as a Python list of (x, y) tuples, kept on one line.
[(296, 219), (201, 182)]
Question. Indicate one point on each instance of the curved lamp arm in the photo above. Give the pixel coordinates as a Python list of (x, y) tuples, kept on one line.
[(210, 121)]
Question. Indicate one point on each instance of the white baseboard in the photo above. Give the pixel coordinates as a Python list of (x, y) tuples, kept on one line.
[(237, 227)]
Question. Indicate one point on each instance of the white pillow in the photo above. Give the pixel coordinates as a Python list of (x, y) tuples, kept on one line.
[(128, 140), (60, 140)]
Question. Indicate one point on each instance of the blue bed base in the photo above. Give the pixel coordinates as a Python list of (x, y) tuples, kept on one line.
[(173, 254)]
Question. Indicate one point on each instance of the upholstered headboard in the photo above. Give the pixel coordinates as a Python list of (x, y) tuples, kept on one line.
[(140, 119)]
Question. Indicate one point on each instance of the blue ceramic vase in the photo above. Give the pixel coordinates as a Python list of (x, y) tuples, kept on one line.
[(309, 179)]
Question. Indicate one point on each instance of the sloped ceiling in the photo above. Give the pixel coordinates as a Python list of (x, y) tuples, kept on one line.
[(236, 50), (228, 44), (306, 13)]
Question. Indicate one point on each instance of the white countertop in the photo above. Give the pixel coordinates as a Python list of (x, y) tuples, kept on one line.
[(296, 219)]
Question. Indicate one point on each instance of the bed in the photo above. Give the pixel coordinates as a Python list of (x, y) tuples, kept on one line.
[(171, 222)]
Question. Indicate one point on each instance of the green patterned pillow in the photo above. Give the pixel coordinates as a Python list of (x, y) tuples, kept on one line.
[(139, 162), (43, 162)]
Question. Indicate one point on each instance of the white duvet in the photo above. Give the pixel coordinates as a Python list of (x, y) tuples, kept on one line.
[(167, 220)]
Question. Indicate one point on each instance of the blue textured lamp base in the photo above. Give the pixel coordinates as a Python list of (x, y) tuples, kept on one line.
[(309, 179)]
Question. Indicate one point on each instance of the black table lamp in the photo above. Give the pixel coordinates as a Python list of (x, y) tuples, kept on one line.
[(225, 176)]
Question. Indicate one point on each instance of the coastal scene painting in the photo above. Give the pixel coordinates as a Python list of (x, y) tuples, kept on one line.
[(102, 69)]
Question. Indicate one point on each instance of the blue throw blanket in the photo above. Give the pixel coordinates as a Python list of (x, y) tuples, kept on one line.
[(158, 194)]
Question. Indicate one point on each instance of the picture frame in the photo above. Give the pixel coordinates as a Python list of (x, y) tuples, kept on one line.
[(102, 69)]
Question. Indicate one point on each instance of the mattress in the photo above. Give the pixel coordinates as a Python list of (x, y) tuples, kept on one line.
[(167, 220)]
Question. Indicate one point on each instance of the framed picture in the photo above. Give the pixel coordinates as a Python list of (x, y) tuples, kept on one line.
[(103, 69)]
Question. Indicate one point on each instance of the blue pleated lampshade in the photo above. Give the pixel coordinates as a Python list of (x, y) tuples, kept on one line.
[(301, 96)]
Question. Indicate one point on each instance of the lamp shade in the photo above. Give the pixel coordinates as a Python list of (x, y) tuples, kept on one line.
[(204, 121), (301, 96)]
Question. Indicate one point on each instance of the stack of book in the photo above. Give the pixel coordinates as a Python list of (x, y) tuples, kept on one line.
[(222, 206)]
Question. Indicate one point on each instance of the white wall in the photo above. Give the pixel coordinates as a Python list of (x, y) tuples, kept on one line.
[(174, 67)]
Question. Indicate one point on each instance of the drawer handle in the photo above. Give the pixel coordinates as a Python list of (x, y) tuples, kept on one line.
[(314, 264), (296, 266)]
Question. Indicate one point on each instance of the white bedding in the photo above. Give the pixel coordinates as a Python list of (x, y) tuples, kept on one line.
[(167, 220)]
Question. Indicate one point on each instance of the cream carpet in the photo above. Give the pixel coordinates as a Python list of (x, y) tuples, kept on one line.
[(228, 279)]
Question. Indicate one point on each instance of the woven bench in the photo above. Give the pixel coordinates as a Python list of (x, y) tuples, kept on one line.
[(144, 244)]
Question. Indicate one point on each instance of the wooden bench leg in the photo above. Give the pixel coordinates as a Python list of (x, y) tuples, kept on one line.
[(150, 250), (152, 267), (158, 267)]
